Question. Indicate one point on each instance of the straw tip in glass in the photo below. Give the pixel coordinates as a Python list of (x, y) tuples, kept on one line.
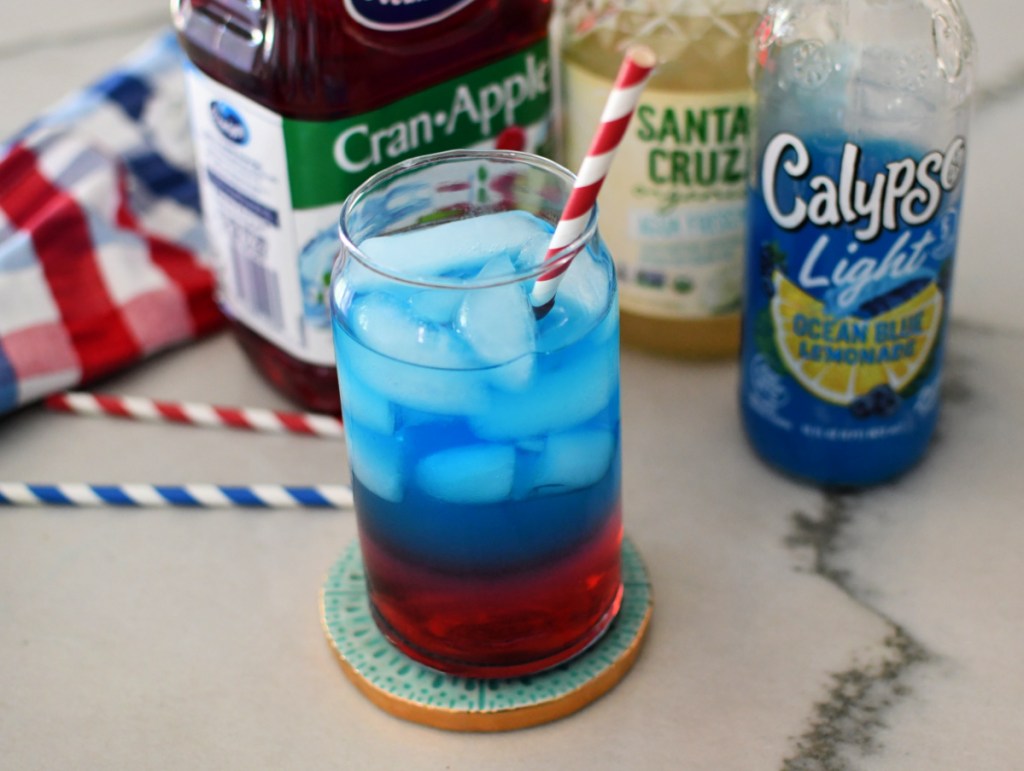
[(540, 311)]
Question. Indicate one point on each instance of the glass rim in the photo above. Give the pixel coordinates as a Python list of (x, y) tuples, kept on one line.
[(563, 257)]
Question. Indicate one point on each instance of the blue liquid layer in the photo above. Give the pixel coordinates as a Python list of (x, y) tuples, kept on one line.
[(481, 440)]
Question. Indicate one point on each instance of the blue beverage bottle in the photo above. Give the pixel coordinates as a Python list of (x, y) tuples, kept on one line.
[(857, 181)]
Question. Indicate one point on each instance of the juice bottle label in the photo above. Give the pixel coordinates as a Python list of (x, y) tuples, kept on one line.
[(852, 246), (673, 206), (271, 186), (384, 15)]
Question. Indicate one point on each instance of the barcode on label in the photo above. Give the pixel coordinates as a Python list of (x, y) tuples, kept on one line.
[(256, 284)]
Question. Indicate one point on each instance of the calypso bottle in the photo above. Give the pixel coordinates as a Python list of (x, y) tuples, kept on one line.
[(857, 181), (295, 102), (673, 205)]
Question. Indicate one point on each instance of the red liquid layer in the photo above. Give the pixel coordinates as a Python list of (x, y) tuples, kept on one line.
[(504, 625)]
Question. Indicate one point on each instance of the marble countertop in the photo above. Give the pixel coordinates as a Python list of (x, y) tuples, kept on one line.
[(793, 629)]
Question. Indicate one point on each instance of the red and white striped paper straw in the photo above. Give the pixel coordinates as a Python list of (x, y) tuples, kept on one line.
[(249, 418), (636, 68)]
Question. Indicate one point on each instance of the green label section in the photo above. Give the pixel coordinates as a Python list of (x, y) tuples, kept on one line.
[(328, 159), (696, 150)]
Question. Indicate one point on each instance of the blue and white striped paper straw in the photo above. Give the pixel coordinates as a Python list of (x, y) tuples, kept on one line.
[(189, 496)]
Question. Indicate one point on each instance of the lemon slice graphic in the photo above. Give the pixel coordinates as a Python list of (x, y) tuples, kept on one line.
[(853, 356)]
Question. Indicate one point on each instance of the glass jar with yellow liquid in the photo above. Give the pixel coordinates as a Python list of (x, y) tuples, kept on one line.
[(673, 204)]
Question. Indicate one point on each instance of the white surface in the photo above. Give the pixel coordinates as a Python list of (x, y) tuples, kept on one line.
[(883, 634)]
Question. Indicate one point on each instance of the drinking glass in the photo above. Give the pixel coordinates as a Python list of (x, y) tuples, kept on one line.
[(483, 437)]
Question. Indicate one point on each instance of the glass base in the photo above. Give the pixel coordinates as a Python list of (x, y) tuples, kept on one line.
[(495, 670), (402, 687)]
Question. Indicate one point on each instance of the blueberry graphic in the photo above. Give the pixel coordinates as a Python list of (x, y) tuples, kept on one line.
[(881, 401), (884, 400), (861, 407)]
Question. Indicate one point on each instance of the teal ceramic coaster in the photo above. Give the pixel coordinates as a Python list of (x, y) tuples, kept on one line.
[(409, 690)]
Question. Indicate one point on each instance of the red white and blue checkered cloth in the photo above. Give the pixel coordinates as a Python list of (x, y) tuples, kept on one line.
[(101, 242)]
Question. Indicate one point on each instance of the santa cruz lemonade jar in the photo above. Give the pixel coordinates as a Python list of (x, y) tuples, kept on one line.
[(672, 210), (855, 204), (295, 102)]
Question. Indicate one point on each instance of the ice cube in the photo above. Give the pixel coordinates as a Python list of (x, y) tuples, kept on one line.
[(435, 305), (452, 248), (440, 391), (588, 283), (476, 473), (567, 323), (386, 324), (376, 461), (497, 267), (557, 400), (365, 406), (514, 376), (582, 299), (533, 250), (498, 323), (574, 459)]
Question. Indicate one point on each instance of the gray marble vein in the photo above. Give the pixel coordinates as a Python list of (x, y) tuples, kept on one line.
[(874, 545)]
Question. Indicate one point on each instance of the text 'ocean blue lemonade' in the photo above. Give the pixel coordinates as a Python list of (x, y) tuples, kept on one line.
[(484, 443)]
